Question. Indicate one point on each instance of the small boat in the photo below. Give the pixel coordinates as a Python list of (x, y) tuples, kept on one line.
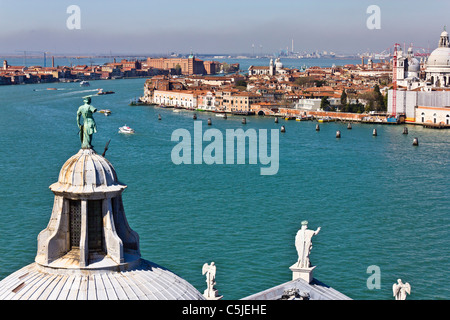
[(326, 119), (52, 89), (222, 115), (85, 84), (105, 111), (126, 129), (303, 118), (100, 92)]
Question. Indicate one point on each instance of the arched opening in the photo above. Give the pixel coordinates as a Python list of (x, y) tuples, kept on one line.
[(95, 225), (261, 113), (447, 119), (75, 223)]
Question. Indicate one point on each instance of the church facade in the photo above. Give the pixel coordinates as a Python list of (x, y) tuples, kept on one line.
[(423, 87)]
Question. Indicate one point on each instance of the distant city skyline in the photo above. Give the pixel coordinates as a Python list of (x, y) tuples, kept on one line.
[(217, 27)]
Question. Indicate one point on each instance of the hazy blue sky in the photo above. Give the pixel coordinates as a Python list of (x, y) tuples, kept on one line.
[(215, 26)]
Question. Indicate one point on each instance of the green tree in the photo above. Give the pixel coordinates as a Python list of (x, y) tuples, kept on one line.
[(379, 100), (320, 83), (305, 81), (343, 98), (325, 104), (178, 69), (241, 85)]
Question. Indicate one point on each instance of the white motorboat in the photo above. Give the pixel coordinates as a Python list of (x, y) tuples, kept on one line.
[(85, 84), (106, 112), (126, 129)]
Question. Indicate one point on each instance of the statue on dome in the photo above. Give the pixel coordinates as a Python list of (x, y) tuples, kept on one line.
[(211, 292), (88, 127), (303, 245), (401, 289)]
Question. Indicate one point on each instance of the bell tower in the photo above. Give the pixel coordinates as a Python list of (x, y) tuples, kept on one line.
[(443, 40)]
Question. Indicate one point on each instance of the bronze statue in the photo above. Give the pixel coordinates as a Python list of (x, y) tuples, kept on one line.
[(88, 128)]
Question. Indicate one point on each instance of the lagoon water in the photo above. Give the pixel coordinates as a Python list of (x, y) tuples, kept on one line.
[(379, 200)]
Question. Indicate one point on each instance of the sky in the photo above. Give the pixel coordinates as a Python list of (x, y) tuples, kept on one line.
[(219, 27)]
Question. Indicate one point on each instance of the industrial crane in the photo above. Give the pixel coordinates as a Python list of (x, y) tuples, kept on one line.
[(25, 52)]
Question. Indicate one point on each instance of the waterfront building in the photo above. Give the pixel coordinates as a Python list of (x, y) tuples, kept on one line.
[(423, 96), (272, 69), (213, 81), (236, 101), (434, 115), (185, 66), (308, 104), (314, 104), (206, 101), (421, 106), (176, 98)]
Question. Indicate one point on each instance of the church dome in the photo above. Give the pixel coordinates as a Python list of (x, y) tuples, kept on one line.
[(413, 65), (87, 172), (148, 281), (440, 57), (88, 251), (279, 64)]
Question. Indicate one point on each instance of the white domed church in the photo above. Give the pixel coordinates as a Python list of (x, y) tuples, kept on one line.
[(423, 93), (437, 67)]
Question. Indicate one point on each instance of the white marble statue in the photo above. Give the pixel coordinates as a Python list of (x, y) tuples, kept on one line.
[(210, 271), (400, 290), (303, 245)]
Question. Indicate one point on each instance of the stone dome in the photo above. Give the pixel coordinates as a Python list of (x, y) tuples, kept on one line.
[(440, 57), (279, 64), (88, 251), (413, 64), (146, 282), (87, 172)]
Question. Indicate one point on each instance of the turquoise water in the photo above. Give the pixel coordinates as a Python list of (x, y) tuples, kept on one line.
[(379, 200)]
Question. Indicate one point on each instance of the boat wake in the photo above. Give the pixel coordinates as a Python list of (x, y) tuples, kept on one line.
[(79, 91)]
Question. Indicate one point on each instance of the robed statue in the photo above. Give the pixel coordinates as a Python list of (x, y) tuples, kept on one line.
[(400, 290), (303, 245), (88, 127)]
